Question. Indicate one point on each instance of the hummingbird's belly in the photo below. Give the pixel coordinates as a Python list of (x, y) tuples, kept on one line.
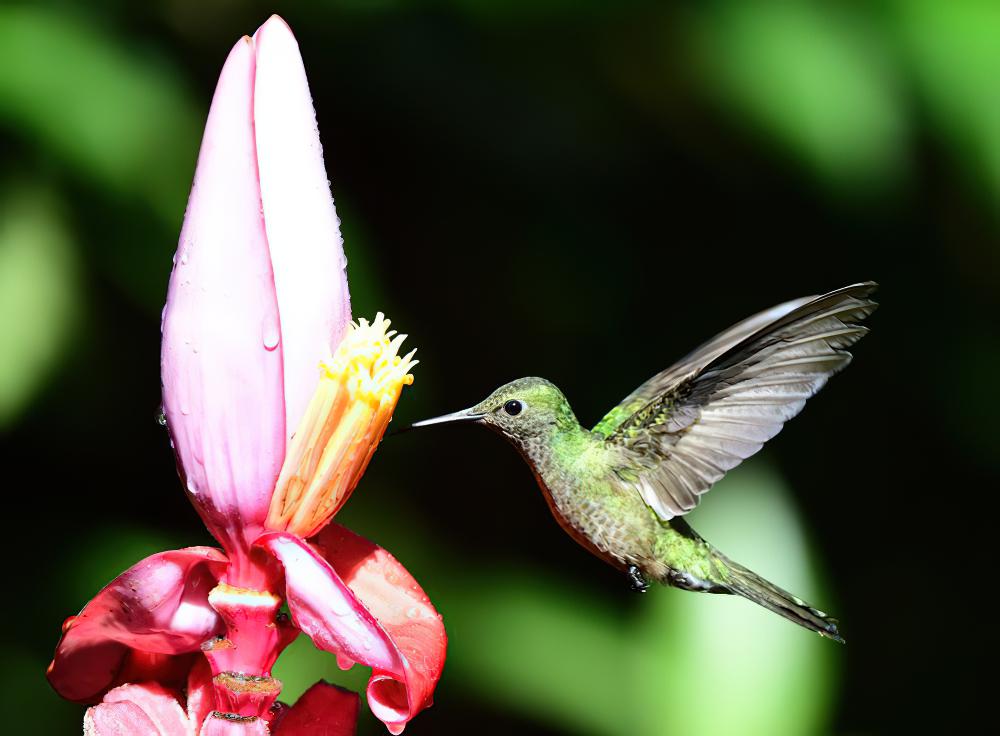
[(619, 530)]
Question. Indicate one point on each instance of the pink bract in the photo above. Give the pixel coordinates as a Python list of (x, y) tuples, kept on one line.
[(156, 607), (258, 294)]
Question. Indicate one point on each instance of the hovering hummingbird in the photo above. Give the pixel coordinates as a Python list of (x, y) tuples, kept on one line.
[(622, 488)]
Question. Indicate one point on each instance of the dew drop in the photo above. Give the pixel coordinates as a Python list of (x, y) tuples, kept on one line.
[(184, 258), (271, 335), (412, 612), (161, 417)]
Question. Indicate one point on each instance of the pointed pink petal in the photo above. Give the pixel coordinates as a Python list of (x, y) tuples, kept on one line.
[(223, 387), (200, 693), (303, 231), (219, 724), (159, 704), (117, 719), (403, 611), (156, 607), (323, 710), (325, 608)]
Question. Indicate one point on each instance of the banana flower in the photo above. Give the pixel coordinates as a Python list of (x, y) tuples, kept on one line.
[(275, 402)]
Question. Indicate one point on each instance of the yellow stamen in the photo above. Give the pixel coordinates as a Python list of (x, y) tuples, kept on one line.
[(343, 424)]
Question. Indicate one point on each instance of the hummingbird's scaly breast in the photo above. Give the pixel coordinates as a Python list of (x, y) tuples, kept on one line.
[(603, 515)]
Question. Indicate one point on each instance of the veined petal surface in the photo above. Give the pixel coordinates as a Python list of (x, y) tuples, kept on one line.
[(118, 719), (157, 703)]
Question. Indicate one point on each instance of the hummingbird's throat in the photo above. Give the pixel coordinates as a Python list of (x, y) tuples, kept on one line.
[(343, 424)]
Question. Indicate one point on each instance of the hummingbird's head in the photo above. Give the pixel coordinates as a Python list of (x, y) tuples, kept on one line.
[(522, 410)]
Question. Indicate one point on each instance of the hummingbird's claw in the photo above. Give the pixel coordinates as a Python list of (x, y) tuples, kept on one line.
[(637, 580)]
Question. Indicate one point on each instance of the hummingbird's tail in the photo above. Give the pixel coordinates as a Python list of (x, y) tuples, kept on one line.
[(752, 586)]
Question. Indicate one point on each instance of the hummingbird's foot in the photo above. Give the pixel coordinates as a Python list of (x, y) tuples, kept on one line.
[(637, 580)]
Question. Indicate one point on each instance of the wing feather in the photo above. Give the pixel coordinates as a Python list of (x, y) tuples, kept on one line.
[(688, 425), (692, 362)]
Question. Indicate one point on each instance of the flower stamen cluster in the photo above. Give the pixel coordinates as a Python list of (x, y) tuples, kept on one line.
[(343, 424)]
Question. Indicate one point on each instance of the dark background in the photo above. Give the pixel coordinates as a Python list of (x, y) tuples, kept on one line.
[(578, 190)]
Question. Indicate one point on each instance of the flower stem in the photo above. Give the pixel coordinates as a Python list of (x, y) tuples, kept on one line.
[(242, 658)]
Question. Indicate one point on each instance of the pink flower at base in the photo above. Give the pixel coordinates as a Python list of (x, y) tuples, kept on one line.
[(275, 403), (153, 710)]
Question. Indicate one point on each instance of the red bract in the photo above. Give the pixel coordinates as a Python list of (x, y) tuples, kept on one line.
[(275, 403)]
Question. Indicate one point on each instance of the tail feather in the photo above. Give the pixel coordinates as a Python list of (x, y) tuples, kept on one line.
[(752, 586)]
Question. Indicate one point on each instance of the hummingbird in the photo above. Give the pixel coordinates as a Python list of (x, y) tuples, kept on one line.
[(621, 489)]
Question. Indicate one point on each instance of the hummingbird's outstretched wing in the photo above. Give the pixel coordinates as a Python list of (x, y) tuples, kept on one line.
[(685, 427)]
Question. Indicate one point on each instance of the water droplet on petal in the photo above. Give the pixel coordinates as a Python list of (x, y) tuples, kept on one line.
[(271, 335), (161, 417), (184, 258), (412, 612)]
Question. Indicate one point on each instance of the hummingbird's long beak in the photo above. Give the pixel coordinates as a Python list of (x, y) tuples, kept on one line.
[(466, 415)]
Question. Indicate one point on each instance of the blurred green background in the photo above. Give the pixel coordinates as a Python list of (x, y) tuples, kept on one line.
[(579, 190)]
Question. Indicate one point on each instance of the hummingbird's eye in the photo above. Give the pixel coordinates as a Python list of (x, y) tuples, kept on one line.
[(513, 407)]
